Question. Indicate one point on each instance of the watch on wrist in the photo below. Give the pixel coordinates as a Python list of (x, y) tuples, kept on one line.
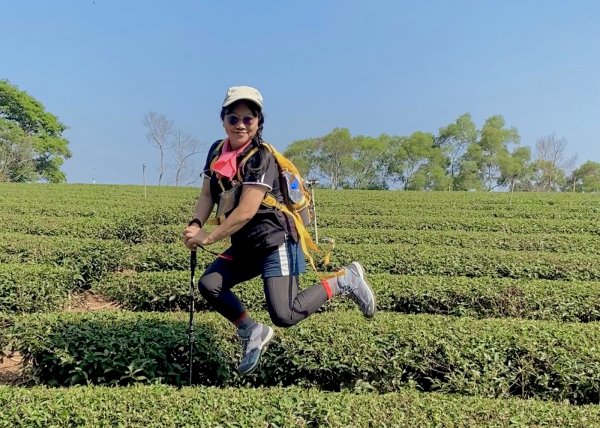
[(195, 221)]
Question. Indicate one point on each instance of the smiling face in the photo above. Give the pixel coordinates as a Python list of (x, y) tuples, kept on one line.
[(240, 124)]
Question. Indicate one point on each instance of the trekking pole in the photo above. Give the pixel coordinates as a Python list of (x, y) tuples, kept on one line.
[(191, 324)]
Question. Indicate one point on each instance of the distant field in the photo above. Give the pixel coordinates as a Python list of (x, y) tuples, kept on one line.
[(483, 300)]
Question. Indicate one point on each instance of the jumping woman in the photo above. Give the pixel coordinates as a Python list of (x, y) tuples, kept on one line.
[(264, 241)]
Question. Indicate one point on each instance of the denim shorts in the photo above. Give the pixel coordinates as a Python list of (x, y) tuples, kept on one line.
[(285, 260)]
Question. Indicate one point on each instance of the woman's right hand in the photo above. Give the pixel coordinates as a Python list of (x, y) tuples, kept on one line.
[(188, 232), (193, 236)]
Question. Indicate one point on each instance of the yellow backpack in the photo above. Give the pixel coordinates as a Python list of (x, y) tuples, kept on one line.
[(297, 198), (297, 201)]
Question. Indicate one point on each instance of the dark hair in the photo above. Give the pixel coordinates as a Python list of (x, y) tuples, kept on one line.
[(257, 139)]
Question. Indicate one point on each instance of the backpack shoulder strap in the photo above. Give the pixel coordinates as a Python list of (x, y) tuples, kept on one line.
[(216, 152), (306, 241), (242, 163)]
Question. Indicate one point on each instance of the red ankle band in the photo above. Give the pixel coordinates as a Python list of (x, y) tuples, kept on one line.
[(327, 288)]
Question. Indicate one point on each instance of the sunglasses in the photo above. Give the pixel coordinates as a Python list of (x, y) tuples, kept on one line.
[(246, 120)]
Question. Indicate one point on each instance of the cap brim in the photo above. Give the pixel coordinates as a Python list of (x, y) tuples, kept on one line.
[(231, 101)]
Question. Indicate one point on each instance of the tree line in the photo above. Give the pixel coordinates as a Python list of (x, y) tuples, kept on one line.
[(459, 157)]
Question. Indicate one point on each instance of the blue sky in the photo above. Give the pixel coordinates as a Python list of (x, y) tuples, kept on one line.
[(373, 67)]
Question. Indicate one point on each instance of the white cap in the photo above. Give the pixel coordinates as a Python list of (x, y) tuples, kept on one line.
[(236, 93)]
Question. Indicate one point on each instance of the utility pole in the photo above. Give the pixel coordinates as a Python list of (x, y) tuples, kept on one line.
[(312, 183), (144, 177)]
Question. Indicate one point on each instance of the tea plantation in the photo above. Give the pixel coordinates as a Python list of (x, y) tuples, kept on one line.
[(488, 314)]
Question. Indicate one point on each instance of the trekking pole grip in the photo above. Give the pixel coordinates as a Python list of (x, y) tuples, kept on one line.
[(193, 261)]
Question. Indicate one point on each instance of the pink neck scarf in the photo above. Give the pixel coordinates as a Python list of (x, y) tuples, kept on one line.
[(226, 164)]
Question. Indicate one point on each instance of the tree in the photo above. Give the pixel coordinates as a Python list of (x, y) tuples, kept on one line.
[(159, 131), (469, 177), (334, 156), (16, 154), (586, 178), (551, 163), (494, 140), (304, 153), (482, 162), (454, 139), (38, 138), (409, 155), (184, 147), (367, 162), (343, 160), (516, 167), (433, 175)]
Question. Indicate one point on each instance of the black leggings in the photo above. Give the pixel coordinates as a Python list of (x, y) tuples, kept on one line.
[(285, 303)]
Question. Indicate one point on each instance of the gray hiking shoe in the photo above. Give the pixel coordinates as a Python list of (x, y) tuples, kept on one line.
[(354, 285), (255, 339)]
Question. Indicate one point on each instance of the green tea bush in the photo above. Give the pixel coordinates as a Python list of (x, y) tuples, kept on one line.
[(575, 301), (166, 291), (527, 255), (448, 262), (405, 260), (161, 257), (5, 324), (163, 406), (150, 291), (164, 234), (90, 257), (331, 351), (116, 348), (460, 296), (26, 288), (553, 243), (75, 227), (125, 226), (462, 222)]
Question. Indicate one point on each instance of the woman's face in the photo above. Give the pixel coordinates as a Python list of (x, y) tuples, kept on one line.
[(240, 125)]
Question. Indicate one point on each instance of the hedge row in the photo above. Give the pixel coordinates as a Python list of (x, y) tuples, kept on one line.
[(460, 199), (459, 296), (94, 258), (159, 405), (105, 228), (331, 351), (33, 192), (568, 301), (475, 200), (554, 243), (26, 288), (428, 260), (164, 209), (131, 228), (462, 222), (408, 260), (328, 202), (428, 207), (91, 258), (42, 288), (63, 193)]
